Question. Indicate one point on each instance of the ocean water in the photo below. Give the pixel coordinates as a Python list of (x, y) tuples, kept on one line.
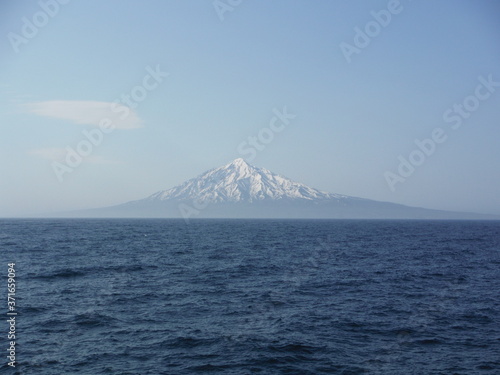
[(252, 297)]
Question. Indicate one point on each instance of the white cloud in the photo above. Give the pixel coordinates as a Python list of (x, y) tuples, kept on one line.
[(53, 154), (87, 112), (59, 154)]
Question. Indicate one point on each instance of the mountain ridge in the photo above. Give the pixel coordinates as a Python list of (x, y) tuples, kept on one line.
[(239, 181), (240, 190)]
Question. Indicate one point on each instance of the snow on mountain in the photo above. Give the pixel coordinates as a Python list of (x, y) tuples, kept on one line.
[(239, 181), (239, 190)]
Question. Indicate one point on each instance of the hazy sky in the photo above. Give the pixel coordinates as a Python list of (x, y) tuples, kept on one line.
[(354, 82)]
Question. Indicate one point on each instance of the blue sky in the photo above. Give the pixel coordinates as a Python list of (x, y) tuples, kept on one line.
[(207, 75)]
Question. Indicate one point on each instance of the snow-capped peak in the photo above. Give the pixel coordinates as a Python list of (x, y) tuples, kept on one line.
[(238, 161), (239, 181), (238, 166)]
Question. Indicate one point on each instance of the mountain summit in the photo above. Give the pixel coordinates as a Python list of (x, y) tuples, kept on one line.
[(240, 190), (239, 181)]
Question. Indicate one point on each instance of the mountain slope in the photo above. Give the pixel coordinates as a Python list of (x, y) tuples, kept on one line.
[(239, 190), (240, 182)]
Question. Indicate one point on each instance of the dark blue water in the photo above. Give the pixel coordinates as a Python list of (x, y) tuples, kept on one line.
[(253, 297)]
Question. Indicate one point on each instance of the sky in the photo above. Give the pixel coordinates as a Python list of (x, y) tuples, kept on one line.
[(104, 102)]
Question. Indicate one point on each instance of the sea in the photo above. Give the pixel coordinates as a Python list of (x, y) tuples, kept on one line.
[(153, 296)]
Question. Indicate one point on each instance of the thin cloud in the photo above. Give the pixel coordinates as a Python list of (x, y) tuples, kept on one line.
[(87, 112), (59, 155), (52, 154)]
